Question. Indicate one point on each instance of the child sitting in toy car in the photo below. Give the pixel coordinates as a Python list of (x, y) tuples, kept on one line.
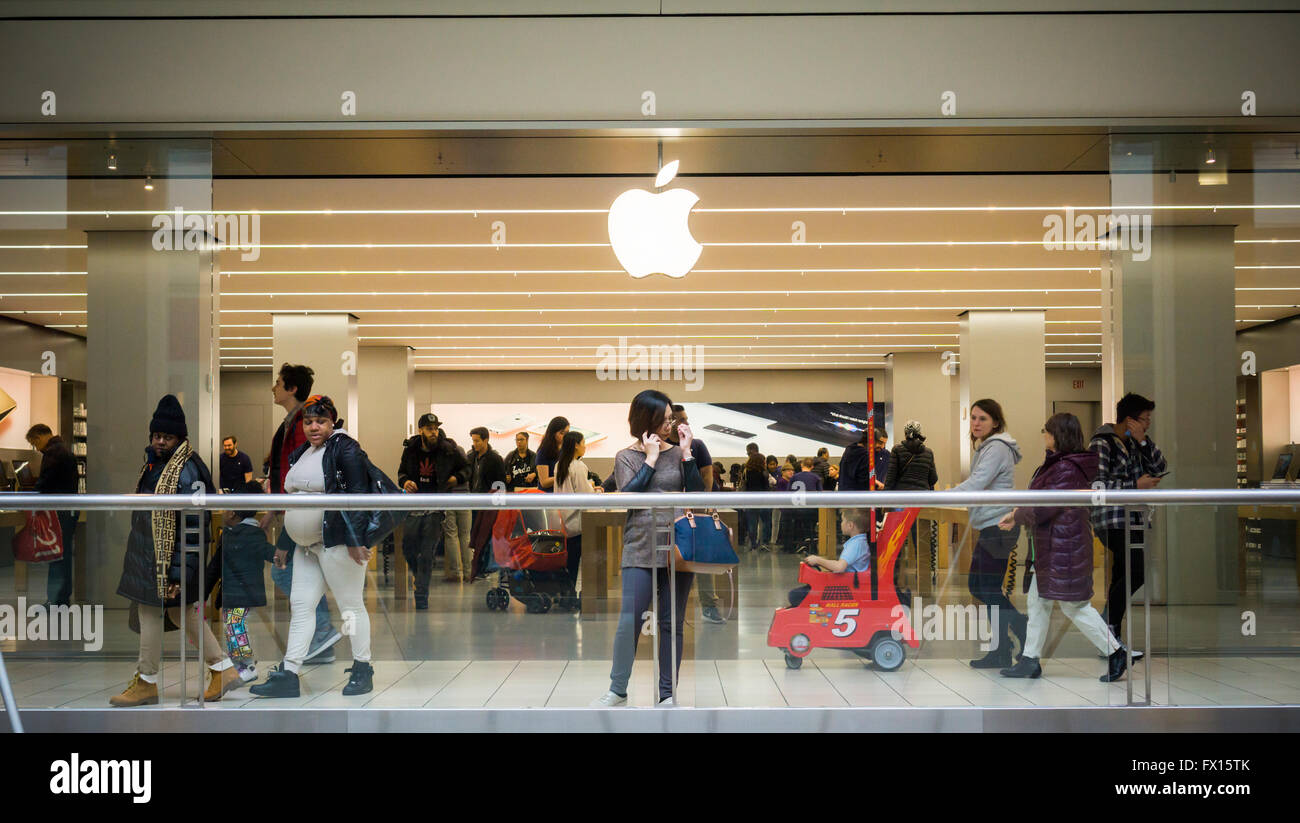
[(854, 557)]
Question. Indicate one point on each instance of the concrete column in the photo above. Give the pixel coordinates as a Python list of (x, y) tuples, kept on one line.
[(918, 385), (1003, 356), (327, 343), (151, 318), (385, 381), (1180, 350)]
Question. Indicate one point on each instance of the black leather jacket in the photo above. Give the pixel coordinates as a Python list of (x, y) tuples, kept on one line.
[(346, 469)]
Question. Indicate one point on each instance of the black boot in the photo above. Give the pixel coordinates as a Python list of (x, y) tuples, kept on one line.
[(362, 680), (999, 658), (1027, 667), (1118, 663), (279, 683)]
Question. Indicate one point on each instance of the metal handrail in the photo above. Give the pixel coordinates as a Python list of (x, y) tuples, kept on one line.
[(646, 500)]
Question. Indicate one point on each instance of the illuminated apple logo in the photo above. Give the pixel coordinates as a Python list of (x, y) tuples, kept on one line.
[(649, 232)]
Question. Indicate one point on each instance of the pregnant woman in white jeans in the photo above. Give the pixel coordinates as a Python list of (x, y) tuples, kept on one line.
[(329, 546)]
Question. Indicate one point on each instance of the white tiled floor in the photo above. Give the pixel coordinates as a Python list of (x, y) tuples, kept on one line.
[(824, 680), (458, 654)]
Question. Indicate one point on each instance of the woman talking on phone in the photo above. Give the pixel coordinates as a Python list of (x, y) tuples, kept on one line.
[(651, 464)]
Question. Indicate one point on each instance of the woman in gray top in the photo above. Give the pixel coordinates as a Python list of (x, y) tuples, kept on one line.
[(993, 468), (651, 464)]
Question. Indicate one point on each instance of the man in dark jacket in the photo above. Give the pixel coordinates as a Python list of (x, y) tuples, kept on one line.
[(58, 476), (487, 473), (431, 464)]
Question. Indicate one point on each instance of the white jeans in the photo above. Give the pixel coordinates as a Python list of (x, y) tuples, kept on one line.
[(1081, 614), (313, 569)]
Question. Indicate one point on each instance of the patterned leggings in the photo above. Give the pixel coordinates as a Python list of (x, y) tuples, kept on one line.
[(238, 644)]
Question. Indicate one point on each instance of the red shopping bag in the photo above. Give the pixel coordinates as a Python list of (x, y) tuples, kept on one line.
[(41, 540)]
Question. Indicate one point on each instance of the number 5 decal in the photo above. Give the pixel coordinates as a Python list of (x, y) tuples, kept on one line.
[(844, 619)]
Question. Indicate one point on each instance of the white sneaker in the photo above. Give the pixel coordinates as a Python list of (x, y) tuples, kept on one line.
[(248, 673), (668, 703), (609, 699), (1137, 655)]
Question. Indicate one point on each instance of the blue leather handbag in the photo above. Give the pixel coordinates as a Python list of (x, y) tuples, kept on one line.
[(703, 545)]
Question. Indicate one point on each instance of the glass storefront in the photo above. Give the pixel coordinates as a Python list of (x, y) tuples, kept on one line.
[(821, 281)]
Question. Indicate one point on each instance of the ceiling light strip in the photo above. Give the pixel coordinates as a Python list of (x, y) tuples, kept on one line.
[(985, 209)]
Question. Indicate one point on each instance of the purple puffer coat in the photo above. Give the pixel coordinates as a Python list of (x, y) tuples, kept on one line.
[(1062, 548)]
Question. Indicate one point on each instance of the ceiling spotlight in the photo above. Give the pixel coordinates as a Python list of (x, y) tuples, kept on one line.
[(112, 162), (148, 183), (1209, 156)]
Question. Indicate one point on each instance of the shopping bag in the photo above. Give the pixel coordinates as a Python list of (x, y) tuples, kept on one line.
[(41, 540)]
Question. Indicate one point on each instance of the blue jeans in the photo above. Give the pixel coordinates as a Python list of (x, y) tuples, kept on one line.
[(636, 602), (58, 580), (283, 579)]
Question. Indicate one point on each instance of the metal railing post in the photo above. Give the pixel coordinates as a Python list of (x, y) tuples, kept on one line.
[(672, 614), (7, 693)]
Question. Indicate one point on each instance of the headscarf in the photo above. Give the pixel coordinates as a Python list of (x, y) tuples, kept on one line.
[(320, 405)]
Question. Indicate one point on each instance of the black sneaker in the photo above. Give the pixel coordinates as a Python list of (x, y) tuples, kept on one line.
[(279, 683), (362, 680)]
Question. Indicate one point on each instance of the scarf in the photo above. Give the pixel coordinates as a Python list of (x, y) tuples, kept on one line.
[(163, 522)]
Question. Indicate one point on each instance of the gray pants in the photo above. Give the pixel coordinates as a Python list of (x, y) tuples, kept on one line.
[(636, 605), (458, 557)]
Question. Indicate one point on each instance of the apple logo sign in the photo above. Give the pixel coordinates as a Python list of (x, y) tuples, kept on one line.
[(649, 232)]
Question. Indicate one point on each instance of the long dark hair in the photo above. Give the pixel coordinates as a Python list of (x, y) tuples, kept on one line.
[(993, 409), (557, 425), (1066, 431), (756, 463), (568, 453), (647, 412)]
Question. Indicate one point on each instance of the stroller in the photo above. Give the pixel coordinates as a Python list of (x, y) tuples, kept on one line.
[(529, 557)]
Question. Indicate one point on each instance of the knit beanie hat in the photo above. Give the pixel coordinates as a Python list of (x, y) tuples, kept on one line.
[(913, 429), (169, 418)]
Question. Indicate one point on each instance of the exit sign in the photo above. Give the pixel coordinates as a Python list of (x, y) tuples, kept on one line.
[(1078, 384)]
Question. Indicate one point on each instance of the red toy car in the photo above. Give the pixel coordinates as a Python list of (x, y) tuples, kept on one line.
[(851, 610)]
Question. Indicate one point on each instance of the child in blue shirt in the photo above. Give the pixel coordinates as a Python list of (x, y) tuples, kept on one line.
[(854, 557)]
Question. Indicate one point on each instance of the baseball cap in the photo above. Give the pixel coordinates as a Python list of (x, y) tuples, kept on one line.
[(429, 419)]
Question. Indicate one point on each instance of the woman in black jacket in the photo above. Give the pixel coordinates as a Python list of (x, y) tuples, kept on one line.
[(156, 561), (911, 467), (330, 546)]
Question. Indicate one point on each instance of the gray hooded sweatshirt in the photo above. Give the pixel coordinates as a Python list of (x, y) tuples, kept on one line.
[(993, 468)]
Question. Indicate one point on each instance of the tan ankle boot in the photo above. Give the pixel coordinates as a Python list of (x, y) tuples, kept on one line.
[(221, 682), (139, 692)]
